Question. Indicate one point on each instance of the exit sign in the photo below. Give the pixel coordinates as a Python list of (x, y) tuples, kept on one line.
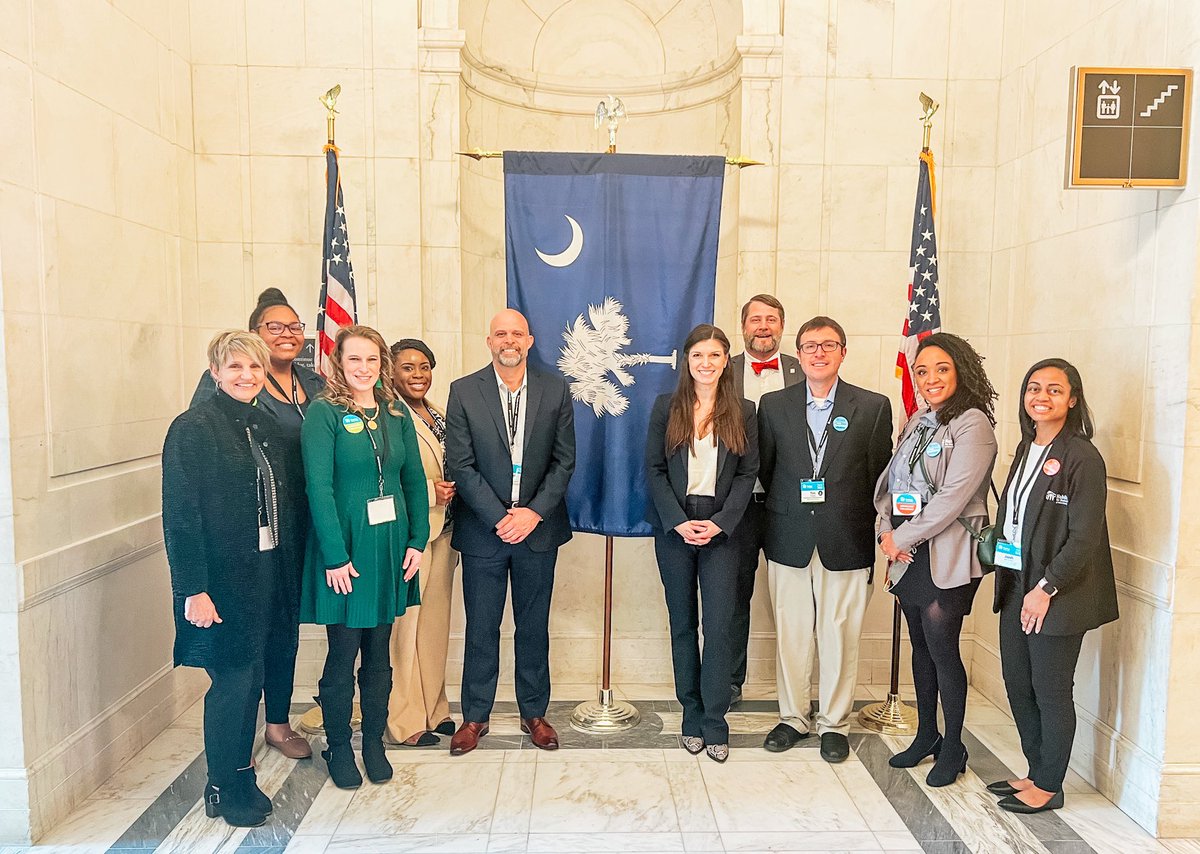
[(1130, 127)]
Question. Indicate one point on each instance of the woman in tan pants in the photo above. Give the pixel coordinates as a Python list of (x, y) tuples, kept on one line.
[(418, 707)]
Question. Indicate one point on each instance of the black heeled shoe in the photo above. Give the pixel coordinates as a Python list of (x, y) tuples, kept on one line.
[(1014, 804), (1002, 788), (255, 797), (950, 763), (916, 751), (224, 802)]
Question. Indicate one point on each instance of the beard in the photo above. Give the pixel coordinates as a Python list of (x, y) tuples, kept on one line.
[(510, 359), (761, 345)]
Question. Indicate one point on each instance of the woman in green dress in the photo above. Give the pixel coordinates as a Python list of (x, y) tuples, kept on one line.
[(370, 513)]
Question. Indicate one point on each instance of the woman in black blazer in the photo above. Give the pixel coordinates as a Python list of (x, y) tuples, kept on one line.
[(1054, 575), (701, 461), (231, 496)]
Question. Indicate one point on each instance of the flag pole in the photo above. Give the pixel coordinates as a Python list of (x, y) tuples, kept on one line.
[(893, 716)]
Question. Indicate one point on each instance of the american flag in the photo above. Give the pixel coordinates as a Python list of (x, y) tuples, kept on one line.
[(337, 307), (924, 310)]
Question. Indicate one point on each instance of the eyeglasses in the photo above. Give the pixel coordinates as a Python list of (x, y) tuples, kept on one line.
[(276, 328), (811, 347)]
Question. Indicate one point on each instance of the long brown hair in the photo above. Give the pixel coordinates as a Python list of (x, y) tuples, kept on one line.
[(726, 417), (337, 390)]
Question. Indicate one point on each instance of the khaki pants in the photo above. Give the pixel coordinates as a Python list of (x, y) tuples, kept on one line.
[(420, 640), (815, 607)]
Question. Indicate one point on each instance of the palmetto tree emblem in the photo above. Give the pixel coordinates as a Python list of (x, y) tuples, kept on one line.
[(593, 352)]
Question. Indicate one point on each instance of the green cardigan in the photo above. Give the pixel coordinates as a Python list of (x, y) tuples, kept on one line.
[(339, 466)]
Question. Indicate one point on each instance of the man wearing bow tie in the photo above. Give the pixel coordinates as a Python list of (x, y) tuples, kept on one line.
[(757, 371)]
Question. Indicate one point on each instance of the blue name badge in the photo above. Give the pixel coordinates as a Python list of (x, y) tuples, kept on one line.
[(1008, 555), (812, 491)]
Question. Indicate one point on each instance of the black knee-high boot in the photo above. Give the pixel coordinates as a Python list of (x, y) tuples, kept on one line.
[(337, 701), (374, 688)]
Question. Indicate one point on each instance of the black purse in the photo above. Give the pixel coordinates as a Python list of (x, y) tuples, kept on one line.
[(985, 538)]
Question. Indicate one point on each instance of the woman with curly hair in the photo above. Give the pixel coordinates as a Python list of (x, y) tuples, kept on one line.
[(932, 500), (366, 493)]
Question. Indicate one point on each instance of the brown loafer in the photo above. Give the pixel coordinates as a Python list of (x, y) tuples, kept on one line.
[(294, 746), (467, 737), (540, 733)]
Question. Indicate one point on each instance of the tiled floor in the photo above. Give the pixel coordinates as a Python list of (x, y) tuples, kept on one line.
[(637, 793)]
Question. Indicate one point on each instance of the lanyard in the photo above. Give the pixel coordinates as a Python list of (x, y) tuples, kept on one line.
[(295, 399), (816, 448), (924, 437), (375, 447), (270, 512), (514, 416), (1023, 489)]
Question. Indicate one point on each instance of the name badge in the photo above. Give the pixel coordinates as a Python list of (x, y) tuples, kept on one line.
[(382, 509), (812, 491), (1008, 555), (266, 541), (840, 424), (906, 504), (933, 450), (352, 423)]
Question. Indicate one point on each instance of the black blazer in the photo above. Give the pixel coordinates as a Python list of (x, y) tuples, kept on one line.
[(479, 462), (210, 527), (668, 477), (843, 526), (1064, 539)]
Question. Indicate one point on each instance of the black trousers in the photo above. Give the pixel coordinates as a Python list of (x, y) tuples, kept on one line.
[(374, 681), (485, 587), (231, 719), (701, 681), (749, 538), (279, 664), (1039, 676)]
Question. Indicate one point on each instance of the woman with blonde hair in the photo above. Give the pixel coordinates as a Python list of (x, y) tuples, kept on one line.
[(366, 493), (231, 494)]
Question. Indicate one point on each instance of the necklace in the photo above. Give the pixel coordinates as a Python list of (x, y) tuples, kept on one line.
[(371, 422)]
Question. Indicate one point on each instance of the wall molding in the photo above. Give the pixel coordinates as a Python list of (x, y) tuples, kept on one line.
[(90, 575)]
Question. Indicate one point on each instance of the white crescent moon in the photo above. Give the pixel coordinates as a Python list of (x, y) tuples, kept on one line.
[(567, 257)]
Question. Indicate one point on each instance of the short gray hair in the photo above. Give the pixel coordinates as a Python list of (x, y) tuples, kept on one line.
[(225, 344)]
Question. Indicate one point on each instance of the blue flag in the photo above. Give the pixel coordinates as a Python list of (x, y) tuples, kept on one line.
[(613, 259)]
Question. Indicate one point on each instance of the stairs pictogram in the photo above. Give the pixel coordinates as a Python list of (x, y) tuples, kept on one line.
[(1158, 102)]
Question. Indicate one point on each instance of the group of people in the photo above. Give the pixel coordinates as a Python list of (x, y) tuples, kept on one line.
[(348, 502)]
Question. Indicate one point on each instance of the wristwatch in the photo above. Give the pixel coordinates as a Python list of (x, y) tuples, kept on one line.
[(1050, 589)]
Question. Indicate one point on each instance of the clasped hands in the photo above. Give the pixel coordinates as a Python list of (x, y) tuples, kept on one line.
[(698, 532), (517, 524), (339, 578), (891, 551)]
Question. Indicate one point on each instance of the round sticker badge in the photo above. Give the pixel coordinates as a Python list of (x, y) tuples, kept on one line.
[(352, 423), (905, 504), (840, 424), (933, 449), (1052, 467)]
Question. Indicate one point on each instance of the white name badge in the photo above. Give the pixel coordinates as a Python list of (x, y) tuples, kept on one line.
[(906, 504), (1008, 555), (382, 509), (266, 542), (812, 491)]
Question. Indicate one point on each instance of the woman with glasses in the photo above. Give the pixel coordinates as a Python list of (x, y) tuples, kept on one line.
[(1054, 575), (285, 396), (931, 500)]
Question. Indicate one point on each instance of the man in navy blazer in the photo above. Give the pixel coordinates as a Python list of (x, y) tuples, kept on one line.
[(822, 446), (510, 450)]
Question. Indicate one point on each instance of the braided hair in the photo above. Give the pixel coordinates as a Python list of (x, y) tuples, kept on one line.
[(974, 389)]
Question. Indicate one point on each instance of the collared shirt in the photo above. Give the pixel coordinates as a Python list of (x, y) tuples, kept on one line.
[(900, 479), (512, 408), (819, 413), (702, 466), (756, 385)]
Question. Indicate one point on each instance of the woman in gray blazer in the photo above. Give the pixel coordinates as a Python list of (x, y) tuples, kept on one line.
[(935, 489)]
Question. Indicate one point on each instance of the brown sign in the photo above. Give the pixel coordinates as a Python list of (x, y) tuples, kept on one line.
[(1130, 127)]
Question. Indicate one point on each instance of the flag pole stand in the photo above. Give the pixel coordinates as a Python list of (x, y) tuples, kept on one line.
[(892, 716), (607, 715)]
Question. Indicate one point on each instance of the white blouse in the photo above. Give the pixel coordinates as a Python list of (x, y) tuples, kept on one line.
[(702, 466)]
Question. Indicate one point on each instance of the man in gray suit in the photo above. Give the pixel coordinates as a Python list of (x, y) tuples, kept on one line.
[(759, 370)]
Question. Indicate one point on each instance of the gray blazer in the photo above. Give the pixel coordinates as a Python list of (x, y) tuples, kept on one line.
[(960, 474), (790, 366)]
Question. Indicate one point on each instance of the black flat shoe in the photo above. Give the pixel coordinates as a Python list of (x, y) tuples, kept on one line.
[(1002, 788), (783, 737), (950, 763), (1012, 804), (425, 739), (912, 757), (446, 727), (835, 747)]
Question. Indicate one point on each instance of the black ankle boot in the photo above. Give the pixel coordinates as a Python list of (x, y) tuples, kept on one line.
[(374, 688), (256, 797), (342, 768), (379, 770), (227, 802), (951, 762), (918, 750)]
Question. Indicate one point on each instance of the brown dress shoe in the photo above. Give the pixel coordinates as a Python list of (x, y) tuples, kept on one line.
[(467, 737), (540, 733), (294, 746)]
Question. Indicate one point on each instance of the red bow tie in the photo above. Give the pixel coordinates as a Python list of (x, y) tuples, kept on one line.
[(770, 364)]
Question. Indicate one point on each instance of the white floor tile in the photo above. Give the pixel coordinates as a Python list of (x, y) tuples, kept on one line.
[(602, 798), (424, 799), (792, 797)]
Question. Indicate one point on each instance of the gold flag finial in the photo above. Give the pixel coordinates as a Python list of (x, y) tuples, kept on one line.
[(329, 99), (928, 108)]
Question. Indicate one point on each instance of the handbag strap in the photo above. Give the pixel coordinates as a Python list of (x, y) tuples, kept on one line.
[(975, 535)]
